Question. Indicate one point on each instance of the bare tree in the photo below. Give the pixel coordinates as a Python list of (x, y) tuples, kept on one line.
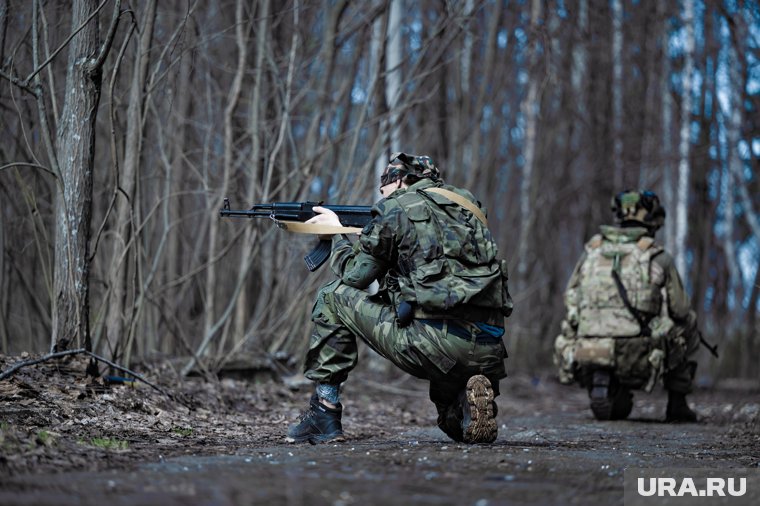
[(684, 144), (529, 109), (617, 93), (393, 77), (536, 107), (74, 155), (126, 183)]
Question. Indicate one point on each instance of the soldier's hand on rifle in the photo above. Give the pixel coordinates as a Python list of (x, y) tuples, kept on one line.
[(325, 217)]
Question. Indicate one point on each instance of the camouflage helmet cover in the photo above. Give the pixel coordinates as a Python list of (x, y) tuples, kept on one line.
[(638, 206), (402, 164)]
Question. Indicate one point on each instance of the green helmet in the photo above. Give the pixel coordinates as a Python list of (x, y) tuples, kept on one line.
[(638, 207), (401, 165)]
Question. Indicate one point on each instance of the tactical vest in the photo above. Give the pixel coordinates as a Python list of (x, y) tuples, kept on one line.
[(454, 263), (602, 312)]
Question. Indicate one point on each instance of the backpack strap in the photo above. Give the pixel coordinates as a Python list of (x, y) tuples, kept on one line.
[(645, 330), (645, 242), (462, 201)]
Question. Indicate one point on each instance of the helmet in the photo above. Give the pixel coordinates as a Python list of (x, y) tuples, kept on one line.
[(402, 164), (641, 207)]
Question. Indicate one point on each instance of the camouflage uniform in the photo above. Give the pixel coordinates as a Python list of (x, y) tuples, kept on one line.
[(595, 311), (440, 259)]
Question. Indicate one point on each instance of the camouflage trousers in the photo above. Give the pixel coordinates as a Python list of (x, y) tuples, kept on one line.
[(632, 358), (342, 313)]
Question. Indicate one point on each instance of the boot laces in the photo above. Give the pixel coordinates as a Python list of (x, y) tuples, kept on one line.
[(306, 415)]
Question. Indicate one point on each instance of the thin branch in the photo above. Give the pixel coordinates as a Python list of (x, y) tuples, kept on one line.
[(114, 157), (65, 43), (8, 373), (27, 164), (106, 47), (24, 85)]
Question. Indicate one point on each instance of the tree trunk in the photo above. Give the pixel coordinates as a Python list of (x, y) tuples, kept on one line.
[(650, 140), (478, 168), (116, 320), (684, 144), (75, 152), (393, 57), (617, 94), (4, 282), (529, 107)]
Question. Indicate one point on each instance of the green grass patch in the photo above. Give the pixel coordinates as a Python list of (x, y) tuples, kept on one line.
[(109, 444), (45, 438), (181, 431)]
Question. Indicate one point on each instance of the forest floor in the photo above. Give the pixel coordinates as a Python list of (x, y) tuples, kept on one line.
[(70, 439)]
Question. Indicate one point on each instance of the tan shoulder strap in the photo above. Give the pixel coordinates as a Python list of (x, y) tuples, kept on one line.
[(645, 242), (458, 199)]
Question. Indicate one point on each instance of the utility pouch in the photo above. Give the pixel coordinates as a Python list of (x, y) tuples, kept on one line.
[(656, 361), (595, 351), (404, 314)]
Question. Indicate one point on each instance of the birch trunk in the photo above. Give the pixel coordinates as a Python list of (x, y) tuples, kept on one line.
[(393, 57), (684, 144), (377, 50)]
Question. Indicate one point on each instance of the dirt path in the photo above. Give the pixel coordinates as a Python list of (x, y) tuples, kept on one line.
[(549, 450)]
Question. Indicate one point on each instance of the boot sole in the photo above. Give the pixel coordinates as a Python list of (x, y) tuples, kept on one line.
[(324, 438), (482, 427)]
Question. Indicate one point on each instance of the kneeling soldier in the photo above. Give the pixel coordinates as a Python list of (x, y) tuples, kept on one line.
[(438, 314), (628, 319)]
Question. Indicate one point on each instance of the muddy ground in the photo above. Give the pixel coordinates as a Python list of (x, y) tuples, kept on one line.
[(69, 439)]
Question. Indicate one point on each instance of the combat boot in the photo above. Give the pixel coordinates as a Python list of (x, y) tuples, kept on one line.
[(609, 399), (678, 409), (479, 419), (317, 424)]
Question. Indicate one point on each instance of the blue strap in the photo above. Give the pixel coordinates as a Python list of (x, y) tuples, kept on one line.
[(491, 330)]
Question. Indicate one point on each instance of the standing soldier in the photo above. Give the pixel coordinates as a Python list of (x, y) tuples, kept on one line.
[(439, 312), (628, 320)]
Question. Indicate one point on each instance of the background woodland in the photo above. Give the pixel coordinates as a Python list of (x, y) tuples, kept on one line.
[(124, 124)]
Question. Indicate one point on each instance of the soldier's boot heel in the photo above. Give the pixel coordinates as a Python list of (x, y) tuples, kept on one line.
[(678, 409), (479, 423), (599, 393)]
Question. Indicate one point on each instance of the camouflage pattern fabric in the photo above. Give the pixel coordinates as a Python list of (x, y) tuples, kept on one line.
[(601, 311), (596, 310), (403, 164), (406, 234), (341, 313), (434, 254)]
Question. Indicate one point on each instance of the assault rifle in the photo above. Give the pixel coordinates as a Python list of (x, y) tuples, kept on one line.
[(291, 215)]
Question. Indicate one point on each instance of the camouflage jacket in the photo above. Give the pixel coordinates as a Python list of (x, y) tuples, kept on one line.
[(428, 251), (594, 305)]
